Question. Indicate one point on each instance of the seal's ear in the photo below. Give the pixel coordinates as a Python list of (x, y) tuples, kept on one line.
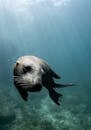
[(17, 63), (44, 68), (15, 68), (42, 71)]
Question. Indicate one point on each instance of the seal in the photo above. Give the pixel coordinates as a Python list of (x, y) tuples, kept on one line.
[(31, 73)]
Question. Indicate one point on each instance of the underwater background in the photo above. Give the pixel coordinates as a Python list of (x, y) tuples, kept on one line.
[(58, 31)]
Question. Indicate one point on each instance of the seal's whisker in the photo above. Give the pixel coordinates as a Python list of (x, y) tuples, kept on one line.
[(22, 83), (19, 79), (16, 76)]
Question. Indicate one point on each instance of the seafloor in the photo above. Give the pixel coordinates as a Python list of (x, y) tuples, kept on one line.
[(40, 113)]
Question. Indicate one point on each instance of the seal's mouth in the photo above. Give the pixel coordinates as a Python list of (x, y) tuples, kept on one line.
[(35, 88), (27, 86)]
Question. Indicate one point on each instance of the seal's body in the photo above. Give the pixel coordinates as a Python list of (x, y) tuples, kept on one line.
[(31, 73)]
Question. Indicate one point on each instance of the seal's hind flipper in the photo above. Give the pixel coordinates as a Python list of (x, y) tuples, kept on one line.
[(23, 93), (54, 95), (64, 85)]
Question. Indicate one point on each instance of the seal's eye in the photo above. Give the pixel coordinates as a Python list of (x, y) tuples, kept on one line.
[(27, 69)]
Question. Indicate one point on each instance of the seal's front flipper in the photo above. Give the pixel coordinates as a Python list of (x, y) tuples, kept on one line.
[(55, 75), (54, 95), (64, 85), (23, 93)]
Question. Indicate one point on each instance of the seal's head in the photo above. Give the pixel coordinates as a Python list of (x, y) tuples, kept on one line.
[(28, 73)]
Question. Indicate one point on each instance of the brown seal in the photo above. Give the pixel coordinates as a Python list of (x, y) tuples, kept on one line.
[(31, 73)]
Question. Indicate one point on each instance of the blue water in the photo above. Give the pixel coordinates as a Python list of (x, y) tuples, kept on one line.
[(58, 31)]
